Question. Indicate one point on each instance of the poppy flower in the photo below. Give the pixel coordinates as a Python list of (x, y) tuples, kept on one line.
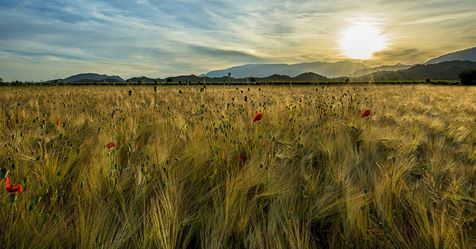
[(15, 188), (110, 145), (365, 113), (257, 116)]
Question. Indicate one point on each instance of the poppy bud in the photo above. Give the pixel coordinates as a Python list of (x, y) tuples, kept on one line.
[(257, 116), (365, 113), (110, 145)]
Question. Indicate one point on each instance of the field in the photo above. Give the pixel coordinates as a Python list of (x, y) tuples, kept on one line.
[(186, 167)]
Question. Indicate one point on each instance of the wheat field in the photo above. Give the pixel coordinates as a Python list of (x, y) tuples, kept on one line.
[(186, 167)]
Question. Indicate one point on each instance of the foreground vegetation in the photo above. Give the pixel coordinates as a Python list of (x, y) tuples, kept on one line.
[(186, 167)]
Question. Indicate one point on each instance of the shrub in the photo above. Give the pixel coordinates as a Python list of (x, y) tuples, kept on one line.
[(468, 77)]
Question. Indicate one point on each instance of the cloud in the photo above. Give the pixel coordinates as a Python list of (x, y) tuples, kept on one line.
[(402, 55), (226, 54), (166, 37), (442, 18), (29, 54)]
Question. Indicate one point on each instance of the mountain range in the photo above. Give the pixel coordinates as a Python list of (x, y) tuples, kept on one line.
[(366, 71), (89, 77), (445, 67), (329, 69), (462, 55), (448, 70), (304, 77)]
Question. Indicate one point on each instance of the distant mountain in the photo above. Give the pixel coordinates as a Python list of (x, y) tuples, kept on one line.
[(92, 77), (196, 79), (463, 55), (310, 77), (395, 67), (448, 70), (276, 78), (311, 72), (185, 78), (307, 77), (141, 79), (334, 69)]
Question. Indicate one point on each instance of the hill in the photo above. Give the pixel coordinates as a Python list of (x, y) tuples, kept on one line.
[(310, 77), (328, 69), (92, 77), (442, 71), (463, 55), (141, 79), (396, 67), (276, 78)]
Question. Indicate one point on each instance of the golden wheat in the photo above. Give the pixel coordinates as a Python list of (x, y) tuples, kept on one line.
[(186, 167)]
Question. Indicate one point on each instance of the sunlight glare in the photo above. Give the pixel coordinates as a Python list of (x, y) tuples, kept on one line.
[(361, 41)]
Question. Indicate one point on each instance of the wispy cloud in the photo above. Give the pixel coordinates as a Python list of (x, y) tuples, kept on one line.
[(398, 55)]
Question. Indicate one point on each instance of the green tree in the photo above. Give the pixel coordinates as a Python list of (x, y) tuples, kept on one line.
[(468, 77)]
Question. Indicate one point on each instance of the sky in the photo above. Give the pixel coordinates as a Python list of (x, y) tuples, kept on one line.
[(50, 39)]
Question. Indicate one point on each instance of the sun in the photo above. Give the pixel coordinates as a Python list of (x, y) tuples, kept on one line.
[(361, 41)]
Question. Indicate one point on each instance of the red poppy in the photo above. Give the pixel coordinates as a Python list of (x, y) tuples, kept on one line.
[(15, 188), (257, 116), (110, 145), (365, 113)]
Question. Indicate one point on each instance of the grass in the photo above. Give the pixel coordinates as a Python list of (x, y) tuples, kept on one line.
[(191, 170)]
